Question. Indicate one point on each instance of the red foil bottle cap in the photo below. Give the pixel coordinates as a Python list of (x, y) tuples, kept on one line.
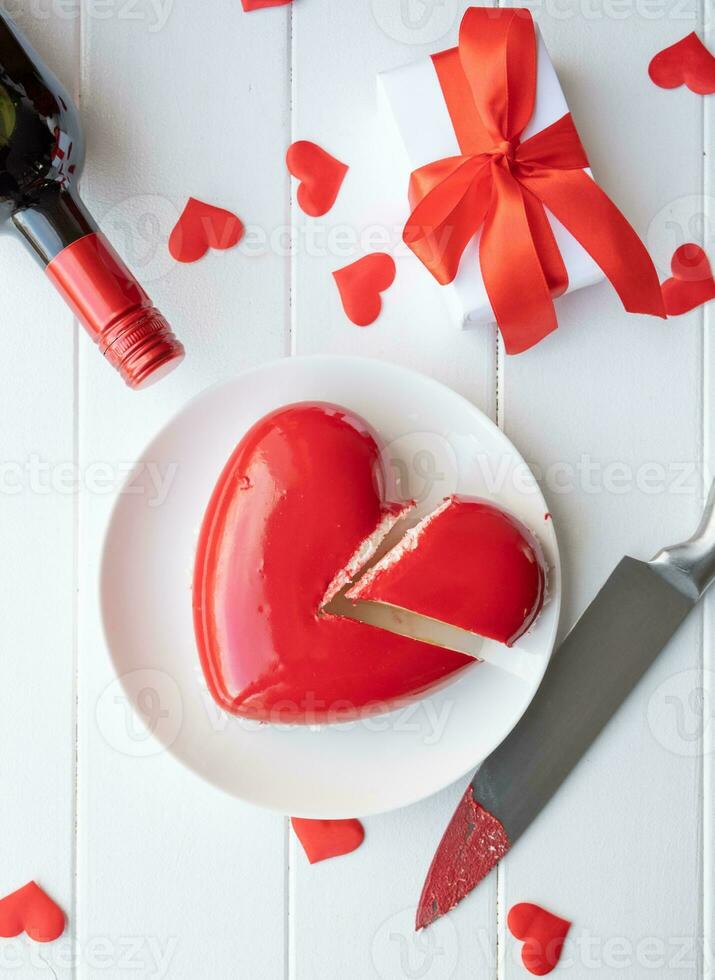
[(142, 347), (116, 312)]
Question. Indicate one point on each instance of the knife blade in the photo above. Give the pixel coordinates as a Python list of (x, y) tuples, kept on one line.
[(595, 668)]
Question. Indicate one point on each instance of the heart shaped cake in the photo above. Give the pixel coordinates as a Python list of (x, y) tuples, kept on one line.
[(297, 511), (296, 517)]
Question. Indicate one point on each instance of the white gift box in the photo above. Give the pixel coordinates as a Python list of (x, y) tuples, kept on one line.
[(413, 97)]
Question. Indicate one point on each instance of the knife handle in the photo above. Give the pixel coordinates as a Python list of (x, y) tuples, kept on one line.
[(690, 566)]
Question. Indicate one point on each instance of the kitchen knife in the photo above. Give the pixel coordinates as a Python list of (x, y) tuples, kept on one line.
[(591, 674)]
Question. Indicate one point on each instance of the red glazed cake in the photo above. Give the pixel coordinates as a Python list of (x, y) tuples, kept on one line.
[(296, 512)]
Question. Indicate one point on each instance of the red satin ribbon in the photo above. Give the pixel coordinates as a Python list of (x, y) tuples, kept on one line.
[(502, 186)]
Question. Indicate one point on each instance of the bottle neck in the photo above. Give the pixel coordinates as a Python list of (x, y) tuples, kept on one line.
[(55, 219), (98, 287), (41, 156)]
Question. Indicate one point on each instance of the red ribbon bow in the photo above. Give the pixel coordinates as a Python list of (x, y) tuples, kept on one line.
[(502, 185)]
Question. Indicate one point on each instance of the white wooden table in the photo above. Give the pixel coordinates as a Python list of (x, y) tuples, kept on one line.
[(161, 875)]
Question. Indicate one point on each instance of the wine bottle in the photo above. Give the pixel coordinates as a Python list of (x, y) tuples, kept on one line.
[(41, 158)]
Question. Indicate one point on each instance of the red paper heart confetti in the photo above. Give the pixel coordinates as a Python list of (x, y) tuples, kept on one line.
[(688, 62), (360, 285), (262, 4), (692, 282), (323, 839), (542, 933), (31, 910), (201, 227), (321, 176)]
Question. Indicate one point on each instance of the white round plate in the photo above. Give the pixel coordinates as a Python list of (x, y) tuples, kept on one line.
[(437, 443)]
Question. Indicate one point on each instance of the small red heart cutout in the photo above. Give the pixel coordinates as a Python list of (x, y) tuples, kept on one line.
[(360, 285), (261, 4), (542, 933), (321, 176), (31, 910), (687, 62), (323, 839), (201, 227), (692, 282)]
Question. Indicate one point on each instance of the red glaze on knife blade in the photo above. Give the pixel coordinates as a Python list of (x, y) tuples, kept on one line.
[(473, 844)]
